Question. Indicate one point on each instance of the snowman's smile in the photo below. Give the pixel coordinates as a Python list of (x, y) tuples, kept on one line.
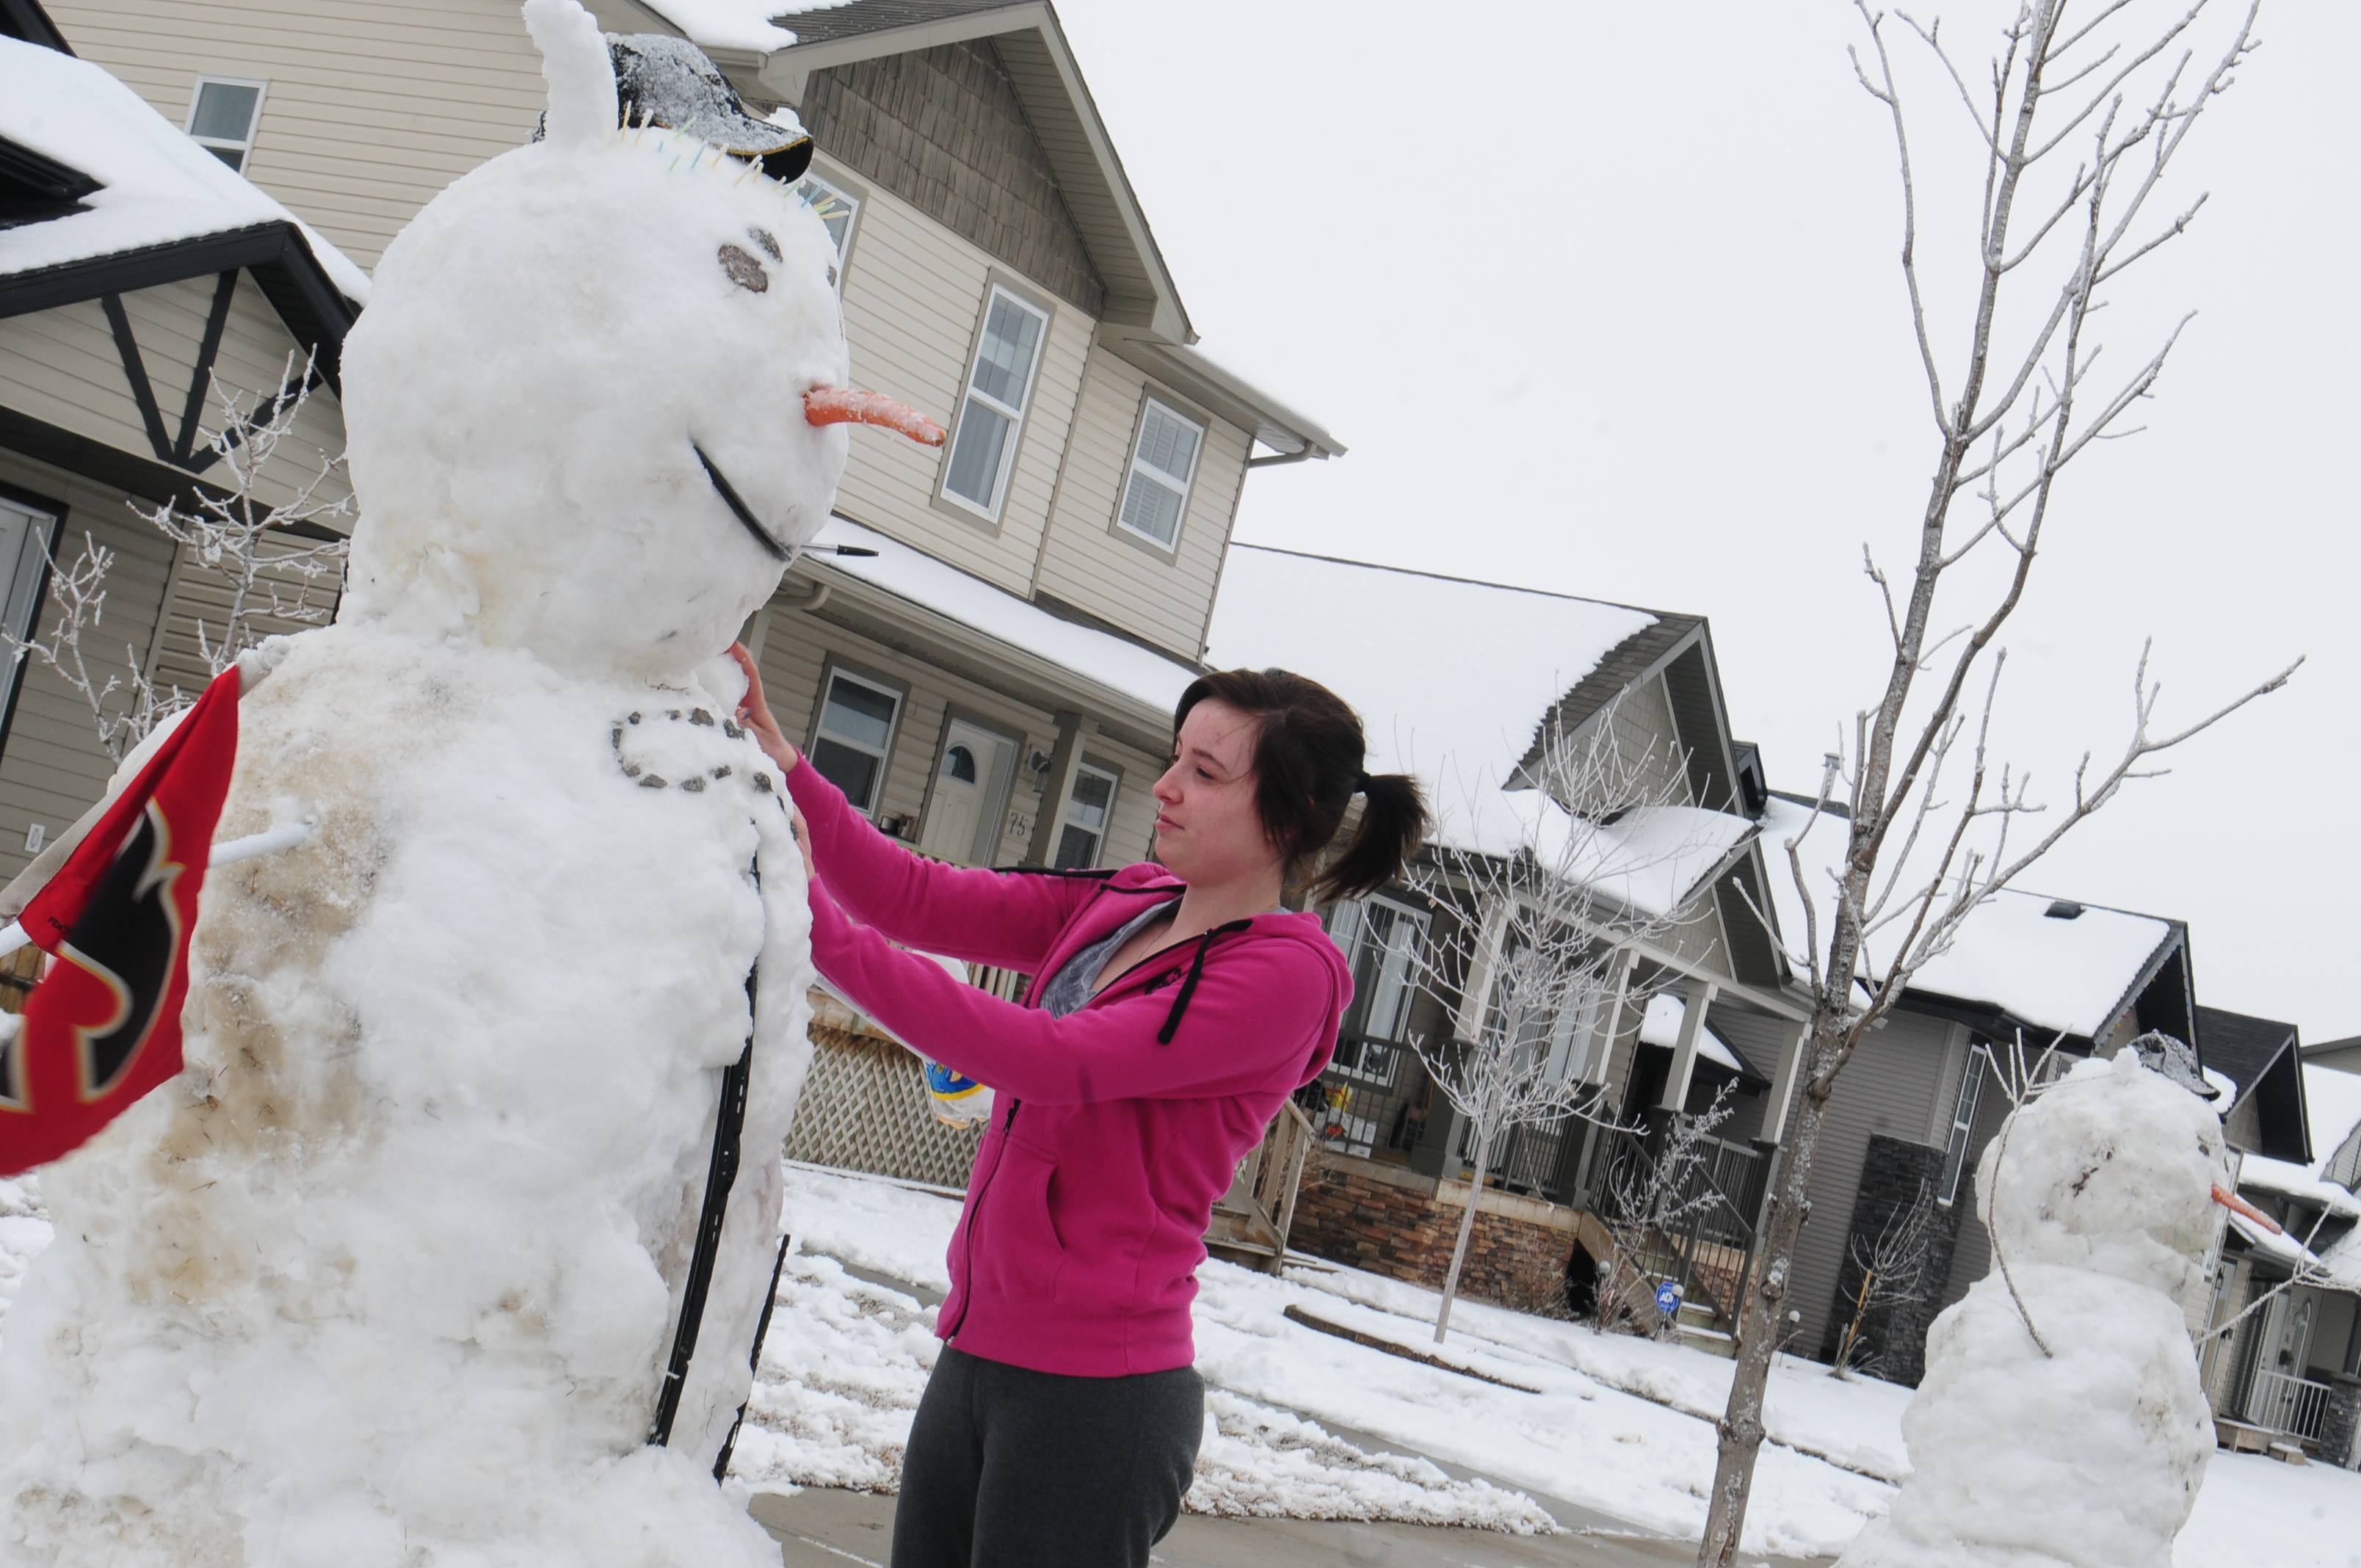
[(737, 508)]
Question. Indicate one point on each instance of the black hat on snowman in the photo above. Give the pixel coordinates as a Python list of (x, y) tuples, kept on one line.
[(668, 82)]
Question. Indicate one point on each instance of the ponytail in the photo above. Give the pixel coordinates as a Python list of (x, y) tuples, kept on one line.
[(1393, 823), (1309, 751)]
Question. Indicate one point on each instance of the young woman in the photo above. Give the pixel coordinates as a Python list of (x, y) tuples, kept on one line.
[(1174, 1008)]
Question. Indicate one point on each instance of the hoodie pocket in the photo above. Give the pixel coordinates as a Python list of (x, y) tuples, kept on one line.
[(1020, 1255)]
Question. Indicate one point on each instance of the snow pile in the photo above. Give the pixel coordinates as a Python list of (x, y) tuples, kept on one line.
[(2090, 1453), (155, 184), (390, 1276), (25, 1232)]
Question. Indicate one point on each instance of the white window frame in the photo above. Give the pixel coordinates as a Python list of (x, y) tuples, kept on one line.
[(1016, 416), (1347, 925), (893, 728), (245, 149), (1098, 851), (1963, 1120), (1140, 470), (851, 215)]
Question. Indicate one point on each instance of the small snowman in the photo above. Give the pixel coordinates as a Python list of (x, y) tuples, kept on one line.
[(393, 1274), (2072, 1432)]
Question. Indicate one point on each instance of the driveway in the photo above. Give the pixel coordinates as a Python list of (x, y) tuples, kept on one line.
[(818, 1529)]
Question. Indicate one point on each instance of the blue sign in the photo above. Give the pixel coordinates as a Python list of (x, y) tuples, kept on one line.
[(1668, 1298)]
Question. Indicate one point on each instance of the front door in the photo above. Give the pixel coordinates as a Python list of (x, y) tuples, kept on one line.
[(970, 791)]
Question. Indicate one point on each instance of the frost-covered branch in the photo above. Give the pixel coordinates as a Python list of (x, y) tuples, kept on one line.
[(78, 594), (1891, 1270)]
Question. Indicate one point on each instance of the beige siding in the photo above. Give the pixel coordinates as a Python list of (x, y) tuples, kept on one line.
[(51, 768), (371, 107), (796, 649), (1090, 564), (62, 367), (200, 598), (914, 293)]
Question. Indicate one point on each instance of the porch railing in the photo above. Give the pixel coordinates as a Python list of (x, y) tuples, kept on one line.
[(1709, 1245), (2296, 1406)]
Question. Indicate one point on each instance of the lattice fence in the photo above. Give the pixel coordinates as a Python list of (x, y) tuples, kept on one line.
[(865, 1108)]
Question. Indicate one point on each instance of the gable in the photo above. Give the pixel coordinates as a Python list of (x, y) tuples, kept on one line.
[(943, 128)]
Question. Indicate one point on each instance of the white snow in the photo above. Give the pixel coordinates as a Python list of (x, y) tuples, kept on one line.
[(155, 184), (1120, 665), (738, 24), (2053, 974), (846, 1360), (1652, 857), (1452, 678), (1661, 1027)]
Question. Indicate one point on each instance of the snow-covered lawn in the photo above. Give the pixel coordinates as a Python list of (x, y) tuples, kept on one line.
[(1619, 1424)]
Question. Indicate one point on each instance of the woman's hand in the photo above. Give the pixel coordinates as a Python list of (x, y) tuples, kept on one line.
[(755, 714)]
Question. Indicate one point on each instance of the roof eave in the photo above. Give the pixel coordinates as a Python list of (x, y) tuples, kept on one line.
[(1141, 290), (1221, 391)]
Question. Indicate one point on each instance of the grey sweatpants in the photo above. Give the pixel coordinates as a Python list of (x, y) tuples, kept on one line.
[(1012, 1468)]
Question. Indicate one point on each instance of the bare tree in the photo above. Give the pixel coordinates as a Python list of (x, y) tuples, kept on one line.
[(1889, 1271), (1648, 1199), (2078, 124), (267, 557), (1544, 954)]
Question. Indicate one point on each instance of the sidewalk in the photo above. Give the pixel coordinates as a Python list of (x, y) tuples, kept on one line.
[(819, 1529)]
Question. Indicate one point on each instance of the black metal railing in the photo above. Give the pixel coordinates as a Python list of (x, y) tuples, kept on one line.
[(1696, 1224), (1366, 1102)]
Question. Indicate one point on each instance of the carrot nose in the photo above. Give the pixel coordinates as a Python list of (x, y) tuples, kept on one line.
[(843, 405), (2237, 1205)]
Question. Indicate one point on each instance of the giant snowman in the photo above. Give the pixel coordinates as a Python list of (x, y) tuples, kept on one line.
[(390, 1277)]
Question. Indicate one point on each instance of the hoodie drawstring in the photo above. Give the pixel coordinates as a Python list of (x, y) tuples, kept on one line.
[(1189, 985)]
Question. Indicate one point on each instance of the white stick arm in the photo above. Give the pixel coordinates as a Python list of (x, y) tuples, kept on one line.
[(225, 853)]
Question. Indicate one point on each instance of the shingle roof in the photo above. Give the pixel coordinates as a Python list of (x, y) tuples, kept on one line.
[(2260, 1056), (2241, 1045)]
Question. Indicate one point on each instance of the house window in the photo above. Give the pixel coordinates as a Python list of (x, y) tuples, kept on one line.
[(1163, 462), (836, 210), (1964, 1117), (25, 537), (221, 117), (1083, 834), (998, 385), (855, 736), (1559, 1032), (1384, 944)]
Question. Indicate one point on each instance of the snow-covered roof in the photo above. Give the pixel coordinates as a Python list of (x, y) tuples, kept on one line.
[(1661, 1027), (738, 24), (2332, 1100), (1451, 677), (155, 186), (2011, 954), (1097, 656), (2340, 1263)]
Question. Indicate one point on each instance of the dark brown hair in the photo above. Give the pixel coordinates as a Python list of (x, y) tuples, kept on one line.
[(1307, 760)]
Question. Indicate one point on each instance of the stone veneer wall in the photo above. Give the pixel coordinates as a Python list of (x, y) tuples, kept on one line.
[(1402, 1224)]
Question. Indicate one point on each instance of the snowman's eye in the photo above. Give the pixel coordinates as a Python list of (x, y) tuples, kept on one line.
[(770, 244), (831, 276), (744, 270)]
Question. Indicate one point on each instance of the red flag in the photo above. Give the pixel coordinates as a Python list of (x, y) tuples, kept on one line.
[(104, 1028)]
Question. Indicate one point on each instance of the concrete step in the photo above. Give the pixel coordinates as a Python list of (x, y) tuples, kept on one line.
[(1713, 1342)]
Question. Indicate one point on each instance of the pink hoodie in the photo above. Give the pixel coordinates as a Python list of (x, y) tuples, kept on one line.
[(1119, 1124)]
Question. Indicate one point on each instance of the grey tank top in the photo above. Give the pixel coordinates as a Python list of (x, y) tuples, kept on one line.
[(1078, 976)]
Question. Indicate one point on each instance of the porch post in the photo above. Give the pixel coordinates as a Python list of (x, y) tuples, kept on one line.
[(1057, 790), (1696, 997), (1610, 1020), (1476, 994), (1792, 1039)]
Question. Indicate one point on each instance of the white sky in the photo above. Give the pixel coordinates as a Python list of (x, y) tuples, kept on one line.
[(1604, 299)]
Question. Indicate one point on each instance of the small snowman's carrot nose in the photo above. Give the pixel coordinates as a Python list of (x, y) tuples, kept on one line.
[(842, 405), (2237, 1205)]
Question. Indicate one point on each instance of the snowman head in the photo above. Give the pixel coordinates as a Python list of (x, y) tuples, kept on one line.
[(2114, 1169), (595, 404)]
